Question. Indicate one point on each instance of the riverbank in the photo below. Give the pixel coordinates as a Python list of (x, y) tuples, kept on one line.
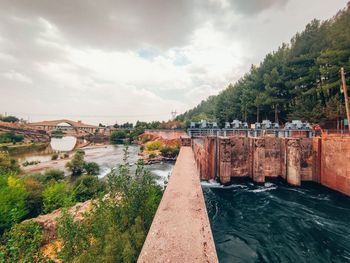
[(21, 148)]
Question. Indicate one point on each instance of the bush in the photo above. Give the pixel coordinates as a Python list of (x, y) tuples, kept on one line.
[(118, 229), (152, 155), (76, 165), (23, 243), (9, 119), (28, 163), (118, 136), (54, 156), (86, 187), (13, 196), (7, 164), (65, 156), (8, 137), (49, 175), (92, 168), (53, 175), (170, 152), (57, 195), (153, 146), (35, 196)]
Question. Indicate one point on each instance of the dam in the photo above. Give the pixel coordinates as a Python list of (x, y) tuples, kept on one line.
[(296, 190)]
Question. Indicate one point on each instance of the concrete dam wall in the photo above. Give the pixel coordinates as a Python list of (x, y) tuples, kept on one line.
[(322, 160)]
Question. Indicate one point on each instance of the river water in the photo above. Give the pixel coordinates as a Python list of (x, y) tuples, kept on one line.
[(106, 156), (278, 223)]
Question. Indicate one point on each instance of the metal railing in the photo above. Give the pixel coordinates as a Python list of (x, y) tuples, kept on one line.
[(281, 133)]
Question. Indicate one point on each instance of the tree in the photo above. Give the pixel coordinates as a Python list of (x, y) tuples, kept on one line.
[(57, 195), (118, 136), (92, 168), (10, 119), (86, 187), (76, 165)]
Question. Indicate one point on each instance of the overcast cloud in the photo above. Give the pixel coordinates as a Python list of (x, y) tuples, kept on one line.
[(114, 60)]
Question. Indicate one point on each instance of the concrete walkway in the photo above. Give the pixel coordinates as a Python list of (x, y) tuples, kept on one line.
[(180, 231)]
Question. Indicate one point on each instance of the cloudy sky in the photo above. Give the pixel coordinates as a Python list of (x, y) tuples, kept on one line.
[(123, 60)]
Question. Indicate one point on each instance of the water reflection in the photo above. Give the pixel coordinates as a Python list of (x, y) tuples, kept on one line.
[(63, 144)]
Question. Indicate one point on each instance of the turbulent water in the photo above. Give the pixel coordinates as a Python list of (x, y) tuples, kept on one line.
[(277, 223)]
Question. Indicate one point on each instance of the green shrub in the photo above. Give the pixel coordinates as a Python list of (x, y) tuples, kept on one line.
[(57, 195), (76, 165), (54, 174), (118, 136), (8, 164), (118, 229), (170, 152), (92, 168), (9, 119), (28, 163), (153, 146), (9, 137), (13, 196), (23, 243), (54, 156), (152, 155), (47, 176), (34, 200), (86, 187)]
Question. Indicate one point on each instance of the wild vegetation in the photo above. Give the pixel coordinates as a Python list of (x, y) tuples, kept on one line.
[(113, 231), (298, 81), (10, 137)]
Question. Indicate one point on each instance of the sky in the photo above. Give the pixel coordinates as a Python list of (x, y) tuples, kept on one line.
[(111, 61)]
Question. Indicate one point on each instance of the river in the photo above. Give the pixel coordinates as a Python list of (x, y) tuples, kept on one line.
[(278, 223), (106, 156)]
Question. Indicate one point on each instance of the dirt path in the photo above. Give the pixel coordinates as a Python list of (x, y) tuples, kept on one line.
[(180, 231)]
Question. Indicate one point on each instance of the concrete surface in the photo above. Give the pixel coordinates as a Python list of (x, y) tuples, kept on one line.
[(180, 231)]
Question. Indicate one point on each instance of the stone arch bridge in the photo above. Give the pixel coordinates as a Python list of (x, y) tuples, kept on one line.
[(79, 128)]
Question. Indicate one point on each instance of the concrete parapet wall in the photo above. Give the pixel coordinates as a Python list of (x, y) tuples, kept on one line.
[(180, 231)]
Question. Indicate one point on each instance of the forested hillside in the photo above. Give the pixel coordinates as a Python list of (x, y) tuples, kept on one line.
[(300, 80)]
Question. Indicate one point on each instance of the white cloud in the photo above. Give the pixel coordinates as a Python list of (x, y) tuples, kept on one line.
[(17, 77), (113, 60)]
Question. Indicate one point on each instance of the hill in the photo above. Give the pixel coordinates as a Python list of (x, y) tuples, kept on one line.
[(298, 81)]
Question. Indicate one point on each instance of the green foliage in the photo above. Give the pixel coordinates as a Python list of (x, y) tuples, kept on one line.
[(57, 133), (118, 224), (28, 163), (48, 176), (13, 195), (118, 136), (74, 235), (9, 119), (54, 157), (152, 155), (76, 165), (170, 152), (92, 168), (34, 201), (23, 243), (299, 80), (7, 164), (154, 145), (9, 137), (57, 195), (87, 187)]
